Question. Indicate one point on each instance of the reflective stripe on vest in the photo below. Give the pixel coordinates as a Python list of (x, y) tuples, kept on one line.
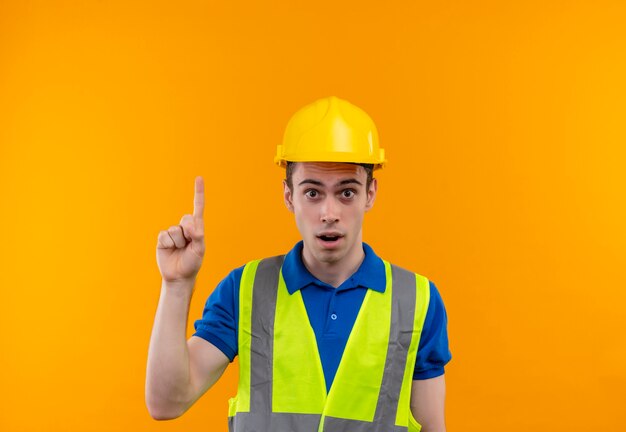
[(281, 380)]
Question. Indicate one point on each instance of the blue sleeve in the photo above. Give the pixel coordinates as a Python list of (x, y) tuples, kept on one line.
[(220, 316), (433, 352)]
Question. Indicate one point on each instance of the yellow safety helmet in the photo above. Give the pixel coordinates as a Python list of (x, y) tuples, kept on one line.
[(330, 130)]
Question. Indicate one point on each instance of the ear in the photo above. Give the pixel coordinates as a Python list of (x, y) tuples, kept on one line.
[(287, 196), (371, 195)]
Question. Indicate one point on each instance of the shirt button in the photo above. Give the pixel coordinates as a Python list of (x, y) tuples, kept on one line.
[(333, 317)]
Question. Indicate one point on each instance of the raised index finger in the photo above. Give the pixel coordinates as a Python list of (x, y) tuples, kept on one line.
[(198, 200)]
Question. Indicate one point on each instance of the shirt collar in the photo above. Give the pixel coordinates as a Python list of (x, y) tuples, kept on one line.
[(370, 274)]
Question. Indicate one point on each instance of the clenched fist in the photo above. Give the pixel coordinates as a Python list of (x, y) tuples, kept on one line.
[(180, 249)]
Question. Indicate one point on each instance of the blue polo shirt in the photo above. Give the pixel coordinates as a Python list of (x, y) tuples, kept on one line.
[(332, 313)]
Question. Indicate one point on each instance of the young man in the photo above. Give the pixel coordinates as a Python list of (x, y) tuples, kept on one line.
[(330, 337)]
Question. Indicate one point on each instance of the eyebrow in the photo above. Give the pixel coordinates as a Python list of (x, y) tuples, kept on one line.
[(341, 183)]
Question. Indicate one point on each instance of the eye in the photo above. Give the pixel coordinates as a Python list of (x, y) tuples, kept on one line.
[(311, 193), (348, 193)]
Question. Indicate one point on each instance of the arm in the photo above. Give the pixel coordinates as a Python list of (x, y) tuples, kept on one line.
[(429, 388), (178, 371), (427, 403)]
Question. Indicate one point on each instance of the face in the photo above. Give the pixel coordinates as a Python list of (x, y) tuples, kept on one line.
[(329, 201)]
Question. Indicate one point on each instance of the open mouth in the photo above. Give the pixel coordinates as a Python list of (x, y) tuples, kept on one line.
[(330, 240)]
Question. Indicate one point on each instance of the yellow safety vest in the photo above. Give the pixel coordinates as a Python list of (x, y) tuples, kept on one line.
[(281, 381)]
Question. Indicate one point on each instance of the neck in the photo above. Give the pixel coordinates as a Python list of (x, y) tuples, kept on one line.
[(334, 273)]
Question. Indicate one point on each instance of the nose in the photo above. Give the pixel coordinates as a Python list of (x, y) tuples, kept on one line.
[(329, 211)]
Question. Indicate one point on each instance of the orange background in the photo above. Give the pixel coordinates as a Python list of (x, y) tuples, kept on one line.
[(504, 125)]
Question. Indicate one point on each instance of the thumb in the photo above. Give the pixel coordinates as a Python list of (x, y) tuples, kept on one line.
[(197, 241), (196, 232)]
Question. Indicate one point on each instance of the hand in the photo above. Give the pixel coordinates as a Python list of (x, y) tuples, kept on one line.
[(180, 249)]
